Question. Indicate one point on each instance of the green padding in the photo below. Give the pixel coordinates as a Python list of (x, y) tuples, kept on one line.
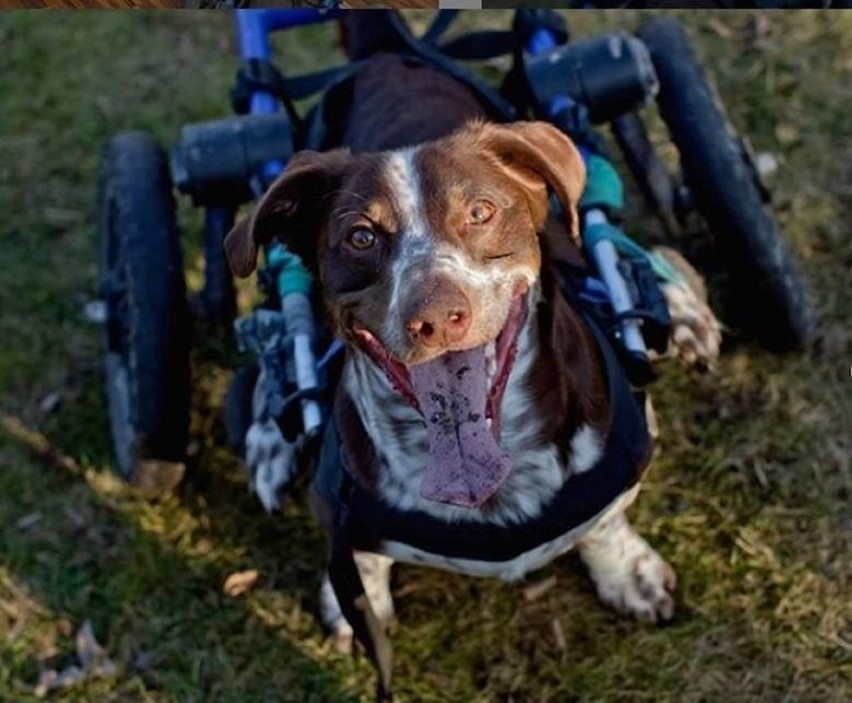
[(603, 186), (663, 269), (625, 246), (293, 277)]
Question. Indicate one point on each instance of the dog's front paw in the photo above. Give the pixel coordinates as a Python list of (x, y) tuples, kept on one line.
[(628, 574), (696, 333), (271, 461), (643, 589)]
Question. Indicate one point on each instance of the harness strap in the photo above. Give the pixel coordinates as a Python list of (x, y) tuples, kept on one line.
[(492, 100), (480, 46), (439, 25), (261, 75), (300, 87)]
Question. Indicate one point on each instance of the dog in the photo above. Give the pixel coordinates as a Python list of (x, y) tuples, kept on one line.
[(473, 393)]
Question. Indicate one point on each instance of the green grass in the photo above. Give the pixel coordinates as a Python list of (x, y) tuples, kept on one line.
[(749, 497)]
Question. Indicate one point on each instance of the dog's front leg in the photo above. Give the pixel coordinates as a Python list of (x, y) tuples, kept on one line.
[(628, 574), (375, 574)]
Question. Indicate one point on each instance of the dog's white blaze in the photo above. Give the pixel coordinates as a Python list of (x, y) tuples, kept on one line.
[(586, 449), (404, 181), (512, 569), (412, 240)]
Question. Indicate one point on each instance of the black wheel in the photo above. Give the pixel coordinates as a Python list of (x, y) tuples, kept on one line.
[(770, 294), (146, 336)]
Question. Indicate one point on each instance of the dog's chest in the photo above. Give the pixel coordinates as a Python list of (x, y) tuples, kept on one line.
[(401, 446)]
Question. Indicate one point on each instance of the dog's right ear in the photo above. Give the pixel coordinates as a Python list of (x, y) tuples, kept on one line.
[(292, 210)]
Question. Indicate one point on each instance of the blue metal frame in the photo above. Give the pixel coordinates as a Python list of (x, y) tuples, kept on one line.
[(609, 285), (254, 28)]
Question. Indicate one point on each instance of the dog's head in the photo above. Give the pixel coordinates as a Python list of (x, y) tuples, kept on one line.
[(423, 249), (425, 254)]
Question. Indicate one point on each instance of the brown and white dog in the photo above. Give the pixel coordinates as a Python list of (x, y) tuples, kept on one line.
[(430, 232)]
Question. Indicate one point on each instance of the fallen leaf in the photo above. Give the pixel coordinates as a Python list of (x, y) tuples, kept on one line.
[(786, 133), (52, 680), (536, 590), (239, 582), (92, 661), (558, 635), (720, 28), (157, 478), (760, 28)]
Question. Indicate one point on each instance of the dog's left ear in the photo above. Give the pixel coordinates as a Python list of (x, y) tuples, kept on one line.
[(540, 151), (292, 210)]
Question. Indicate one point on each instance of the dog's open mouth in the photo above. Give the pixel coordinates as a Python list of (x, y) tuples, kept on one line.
[(459, 395)]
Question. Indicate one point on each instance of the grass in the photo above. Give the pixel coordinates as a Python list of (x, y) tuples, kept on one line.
[(749, 497)]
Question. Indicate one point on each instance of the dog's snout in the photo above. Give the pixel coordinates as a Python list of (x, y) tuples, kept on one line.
[(439, 318)]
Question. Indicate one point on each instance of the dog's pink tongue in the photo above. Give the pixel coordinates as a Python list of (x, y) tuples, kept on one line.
[(466, 466)]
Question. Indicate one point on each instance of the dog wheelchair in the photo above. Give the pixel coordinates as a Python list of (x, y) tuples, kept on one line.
[(285, 391), (576, 85)]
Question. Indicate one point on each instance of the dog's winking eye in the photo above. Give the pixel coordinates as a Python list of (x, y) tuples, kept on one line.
[(361, 239), (480, 212)]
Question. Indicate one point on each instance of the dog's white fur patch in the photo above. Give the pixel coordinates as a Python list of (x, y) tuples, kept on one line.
[(270, 459), (586, 449), (459, 266)]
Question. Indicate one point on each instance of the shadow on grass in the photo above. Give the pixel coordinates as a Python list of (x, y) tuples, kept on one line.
[(150, 578)]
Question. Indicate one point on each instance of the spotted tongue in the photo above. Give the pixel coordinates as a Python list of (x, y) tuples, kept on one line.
[(466, 466)]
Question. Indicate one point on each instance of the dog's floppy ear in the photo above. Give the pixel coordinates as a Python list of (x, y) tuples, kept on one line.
[(539, 150), (292, 210)]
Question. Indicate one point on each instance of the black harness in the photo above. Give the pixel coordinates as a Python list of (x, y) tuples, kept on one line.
[(363, 521)]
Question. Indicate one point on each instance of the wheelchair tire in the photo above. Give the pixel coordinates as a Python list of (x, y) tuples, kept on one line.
[(768, 291), (146, 335)]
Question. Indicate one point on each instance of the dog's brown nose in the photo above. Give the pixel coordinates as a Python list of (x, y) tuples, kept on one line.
[(442, 317)]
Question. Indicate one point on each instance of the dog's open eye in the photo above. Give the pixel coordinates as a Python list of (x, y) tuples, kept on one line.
[(480, 212), (361, 239)]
